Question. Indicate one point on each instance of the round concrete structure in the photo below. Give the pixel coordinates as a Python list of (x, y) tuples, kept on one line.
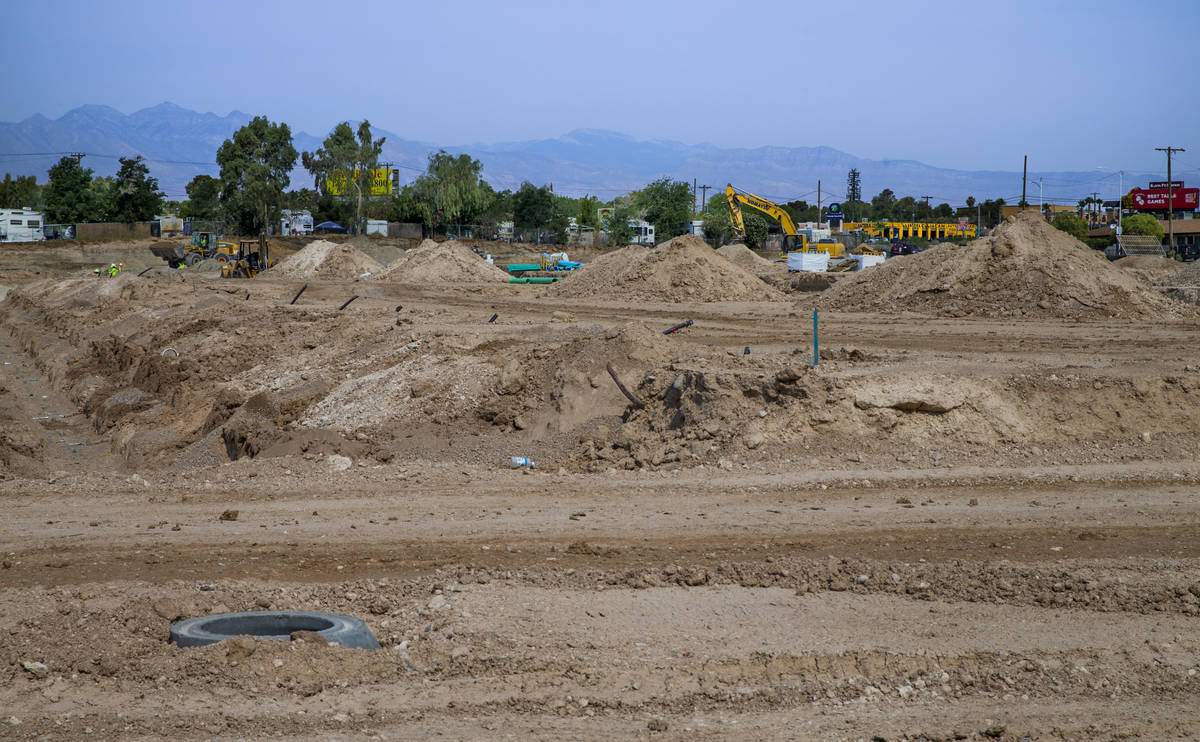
[(335, 628)]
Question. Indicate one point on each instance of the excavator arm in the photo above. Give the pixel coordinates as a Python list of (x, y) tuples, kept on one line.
[(735, 197)]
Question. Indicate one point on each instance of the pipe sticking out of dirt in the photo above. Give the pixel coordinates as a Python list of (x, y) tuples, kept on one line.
[(678, 327), (297, 296), (628, 395), (352, 298)]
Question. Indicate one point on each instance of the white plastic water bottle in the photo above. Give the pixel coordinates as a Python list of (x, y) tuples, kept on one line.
[(519, 462)]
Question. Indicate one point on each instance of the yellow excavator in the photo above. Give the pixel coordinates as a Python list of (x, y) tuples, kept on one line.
[(793, 241)]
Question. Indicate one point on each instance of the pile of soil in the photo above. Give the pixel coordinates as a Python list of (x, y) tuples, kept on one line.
[(1152, 268), (680, 270), (450, 261), (323, 259), (1182, 283), (747, 258), (1025, 268)]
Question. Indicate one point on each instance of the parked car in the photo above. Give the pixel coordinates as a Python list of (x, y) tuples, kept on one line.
[(903, 248)]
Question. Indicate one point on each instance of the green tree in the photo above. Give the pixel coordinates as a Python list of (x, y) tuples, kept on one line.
[(943, 211), (204, 198), (617, 226), (756, 228), (853, 194), (905, 209), (533, 207), (1142, 224), (136, 194), (883, 205), (587, 211), (1072, 224), (102, 195), (346, 161), (69, 194), (970, 202), (19, 192), (255, 163), (801, 211), (717, 228), (667, 204), (450, 191)]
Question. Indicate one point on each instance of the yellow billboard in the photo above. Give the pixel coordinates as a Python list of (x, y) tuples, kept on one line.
[(339, 183)]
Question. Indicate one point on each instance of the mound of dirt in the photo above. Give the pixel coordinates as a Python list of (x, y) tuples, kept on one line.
[(747, 258), (450, 261), (682, 269), (1025, 268), (323, 259)]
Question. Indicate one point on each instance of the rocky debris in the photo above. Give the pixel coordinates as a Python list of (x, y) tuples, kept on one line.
[(36, 669)]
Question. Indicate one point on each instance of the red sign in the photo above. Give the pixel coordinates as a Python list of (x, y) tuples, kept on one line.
[(1155, 199)]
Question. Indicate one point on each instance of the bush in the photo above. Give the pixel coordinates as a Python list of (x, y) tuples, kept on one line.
[(1072, 224), (1142, 224)]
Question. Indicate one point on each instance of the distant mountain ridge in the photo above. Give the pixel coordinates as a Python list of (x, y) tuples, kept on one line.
[(180, 144)]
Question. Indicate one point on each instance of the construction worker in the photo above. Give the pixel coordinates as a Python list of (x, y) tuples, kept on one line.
[(112, 270), (96, 271)]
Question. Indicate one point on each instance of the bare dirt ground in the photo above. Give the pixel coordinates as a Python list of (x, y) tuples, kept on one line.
[(951, 528)]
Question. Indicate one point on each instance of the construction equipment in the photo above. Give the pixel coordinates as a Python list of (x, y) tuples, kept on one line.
[(793, 240), (203, 245), (550, 265), (248, 262)]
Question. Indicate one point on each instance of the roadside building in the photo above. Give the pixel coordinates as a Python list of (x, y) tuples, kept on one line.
[(21, 225)]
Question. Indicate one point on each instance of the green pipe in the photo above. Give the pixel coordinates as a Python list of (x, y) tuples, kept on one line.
[(518, 280), (520, 267)]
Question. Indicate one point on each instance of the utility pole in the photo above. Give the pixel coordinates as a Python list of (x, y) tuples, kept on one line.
[(1170, 196), (1024, 177), (78, 156), (703, 195), (1041, 206), (818, 202), (1120, 201), (693, 194), (1095, 210)]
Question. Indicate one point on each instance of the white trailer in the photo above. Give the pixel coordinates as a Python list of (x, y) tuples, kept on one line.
[(22, 225), (295, 222)]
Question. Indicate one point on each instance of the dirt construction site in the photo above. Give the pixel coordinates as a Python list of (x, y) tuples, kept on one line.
[(975, 515)]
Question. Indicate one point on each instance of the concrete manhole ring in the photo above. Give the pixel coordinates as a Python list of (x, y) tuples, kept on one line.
[(336, 628)]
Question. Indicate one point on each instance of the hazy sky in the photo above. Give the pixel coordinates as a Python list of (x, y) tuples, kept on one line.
[(1075, 85)]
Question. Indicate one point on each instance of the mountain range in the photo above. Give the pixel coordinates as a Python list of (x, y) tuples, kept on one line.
[(179, 144)]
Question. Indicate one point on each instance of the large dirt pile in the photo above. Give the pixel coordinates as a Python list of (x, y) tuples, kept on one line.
[(682, 269), (449, 261), (747, 258), (1025, 268), (323, 259)]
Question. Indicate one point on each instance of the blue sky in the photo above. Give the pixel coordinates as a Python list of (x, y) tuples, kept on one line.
[(1075, 85)]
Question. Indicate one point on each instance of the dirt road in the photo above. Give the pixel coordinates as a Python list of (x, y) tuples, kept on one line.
[(1007, 552)]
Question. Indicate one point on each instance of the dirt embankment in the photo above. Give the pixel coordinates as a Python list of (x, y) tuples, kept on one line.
[(1026, 268)]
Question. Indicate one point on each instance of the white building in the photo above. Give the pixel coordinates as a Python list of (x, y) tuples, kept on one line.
[(696, 227), (295, 222), (377, 226), (21, 225)]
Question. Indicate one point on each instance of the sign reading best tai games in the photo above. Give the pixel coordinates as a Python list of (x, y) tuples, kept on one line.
[(1155, 198)]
